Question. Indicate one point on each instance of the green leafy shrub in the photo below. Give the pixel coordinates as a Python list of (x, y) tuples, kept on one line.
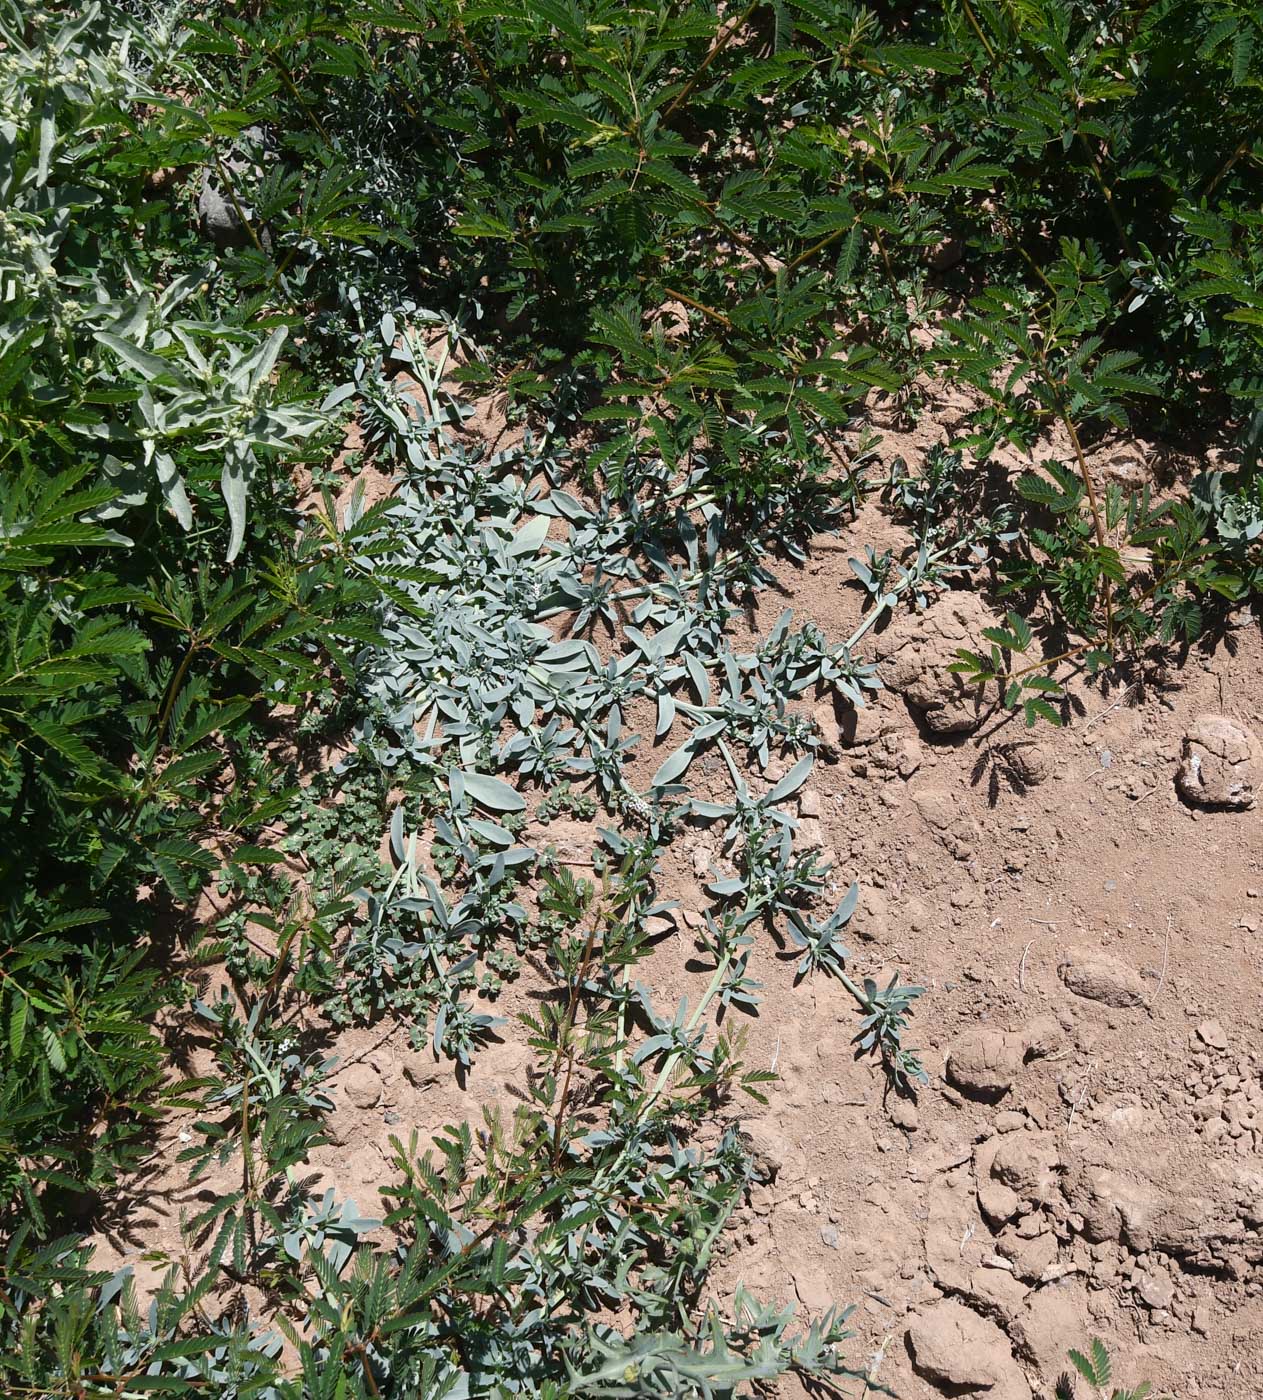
[(703, 252)]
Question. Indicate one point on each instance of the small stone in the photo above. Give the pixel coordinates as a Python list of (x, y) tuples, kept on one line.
[(1221, 764), (954, 1347), (1156, 1290), (809, 803), (1212, 1033), (984, 1062), (1208, 1107), (659, 925), (1009, 1121), (1201, 1319), (917, 650), (945, 254), (829, 1236)]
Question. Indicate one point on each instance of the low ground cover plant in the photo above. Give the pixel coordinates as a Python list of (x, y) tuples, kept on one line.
[(701, 254)]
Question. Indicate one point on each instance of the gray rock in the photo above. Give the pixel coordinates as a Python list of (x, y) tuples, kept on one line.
[(1221, 764), (217, 214)]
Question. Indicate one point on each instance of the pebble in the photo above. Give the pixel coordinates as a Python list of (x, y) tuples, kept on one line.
[(1212, 1033), (1156, 1290)]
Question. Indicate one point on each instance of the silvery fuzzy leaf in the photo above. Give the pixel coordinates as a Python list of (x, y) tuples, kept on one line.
[(709, 730), (530, 537), (171, 484), (792, 780), (710, 811), (492, 793), (148, 365), (848, 905), (234, 482), (666, 714), (396, 832), (259, 363), (491, 832), (674, 766), (699, 677)]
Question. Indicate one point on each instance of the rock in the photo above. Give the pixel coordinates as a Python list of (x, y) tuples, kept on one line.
[(1040, 1330), (808, 803), (1031, 1256), (768, 1149), (1010, 1120), (999, 1203), (863, 724), (955, 1239), (1221, 763), (917, 650), (945, 254), (1128, 471), (1101, 977), (824, 716), (217, 214), (1155, 1289), (872, 920), (1113, 1206), (957, 1349), (1212, 1033), (997, 1291), (984, 1062)]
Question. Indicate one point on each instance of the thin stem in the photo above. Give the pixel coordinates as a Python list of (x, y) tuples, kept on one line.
[(974, 25), (721, 44), (698, 306), (1107, 587)]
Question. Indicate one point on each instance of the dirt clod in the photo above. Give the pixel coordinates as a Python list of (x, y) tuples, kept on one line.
[(957, 1349), (1098, 976), (768, 1148), (919, 648), (985, 1062)]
